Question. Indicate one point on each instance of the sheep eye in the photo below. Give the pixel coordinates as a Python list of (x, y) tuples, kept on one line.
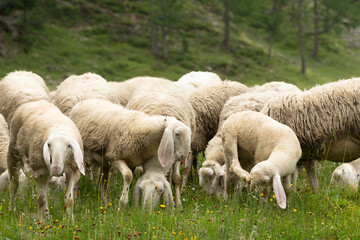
[(68, 146), (49, 145), (177, 134), (50, 159)]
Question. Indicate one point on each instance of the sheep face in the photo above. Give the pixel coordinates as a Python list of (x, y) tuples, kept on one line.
[(218, 186), (259, 176), (345, 176), (150, 188), (206, 178), (175, 142), (57, 152)]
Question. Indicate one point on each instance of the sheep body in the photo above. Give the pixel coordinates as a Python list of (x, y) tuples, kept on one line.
[(252, 140), (20, 87), (106, 126), (194, 80), (253, 100), (324, 120), (77, 88)]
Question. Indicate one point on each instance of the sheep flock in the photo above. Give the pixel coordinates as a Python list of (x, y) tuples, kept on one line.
[(148, 128)]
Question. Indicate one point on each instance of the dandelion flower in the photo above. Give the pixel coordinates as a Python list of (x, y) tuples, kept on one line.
[(30, 228), (274, 196), (153, 228), (109, 204), (271, 200), (261, 194), (101, 208), (163, 206), (174, 233), (154, 237), (226, 206), (295, 210)]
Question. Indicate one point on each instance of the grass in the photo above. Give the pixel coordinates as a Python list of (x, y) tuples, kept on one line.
[(330, 214)]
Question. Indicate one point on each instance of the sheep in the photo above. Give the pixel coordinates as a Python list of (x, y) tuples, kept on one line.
[(16, 89), (194, 80), (252, 140), (77, 88), (4, 143), (253, 100), (166, 100), (347, 175), (125, 139), (124, 90), (324, 119), (50, 143), (208, 102)]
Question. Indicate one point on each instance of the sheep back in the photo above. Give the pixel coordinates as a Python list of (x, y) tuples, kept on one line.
[(77, 88), (20, 87)]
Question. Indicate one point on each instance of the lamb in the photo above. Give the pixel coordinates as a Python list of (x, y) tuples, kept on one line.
[(106, 126), (252, 140), (324, 119), (16, 89), (253, 100), (347, 175), (208, 103), (166, 100), (77, 88), (50, 143), (194, 80)]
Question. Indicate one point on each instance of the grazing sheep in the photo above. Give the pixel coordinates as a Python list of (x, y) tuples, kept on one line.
[(4, 143), (125, 139), (253, 100), (208, 102), (167, 100), (194, 80), (77, 88), (50, 143), (347, 175), (20, 87), (252, 140), (324, 119)]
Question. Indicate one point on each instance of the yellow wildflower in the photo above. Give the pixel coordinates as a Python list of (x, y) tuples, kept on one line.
[(109, 204), (30, 228), (101, 208), (295, 210), (174, 233), (271, 200), (163, 206), (153, 228)]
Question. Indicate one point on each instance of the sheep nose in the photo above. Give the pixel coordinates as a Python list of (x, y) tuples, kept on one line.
[(57, 170)]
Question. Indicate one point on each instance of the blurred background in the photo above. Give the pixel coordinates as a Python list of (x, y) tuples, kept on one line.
[(252, 41)]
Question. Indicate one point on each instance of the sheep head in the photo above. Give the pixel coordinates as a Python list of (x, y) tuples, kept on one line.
[(58, 150), (175, 142), (345, 176), (150, 188), (262, 175)]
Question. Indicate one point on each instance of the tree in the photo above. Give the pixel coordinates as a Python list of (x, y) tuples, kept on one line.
[(301, 37)]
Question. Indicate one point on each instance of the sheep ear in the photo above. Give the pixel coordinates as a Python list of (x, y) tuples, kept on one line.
[(168, 195), (166, 147), (78, 156), (46, 154), (279, 191)]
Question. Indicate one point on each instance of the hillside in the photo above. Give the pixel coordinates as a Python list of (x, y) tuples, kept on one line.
[(112, 38)]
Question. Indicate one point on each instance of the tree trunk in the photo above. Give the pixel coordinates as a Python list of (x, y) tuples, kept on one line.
[(270, 44), (153, 31), (163, 29), (314, 54), (301, 38), (226, 40)]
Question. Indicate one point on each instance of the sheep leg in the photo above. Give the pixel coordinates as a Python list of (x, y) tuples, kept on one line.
[(176, 181), (104, 178), (187, 170), (294, 176), (72, 178), (287, 184), (13, 164), (311, 173), (42, 188), (127, 176)]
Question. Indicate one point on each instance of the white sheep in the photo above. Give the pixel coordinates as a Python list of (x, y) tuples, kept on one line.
[(252, 140), (347, 175), (194, 80), (50, 143), (16, 89), (77, 88), (211, 174), (324, 119), (125, 139), (157, 96)]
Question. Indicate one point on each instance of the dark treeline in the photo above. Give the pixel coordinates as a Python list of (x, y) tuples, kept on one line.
[(171, 20)]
